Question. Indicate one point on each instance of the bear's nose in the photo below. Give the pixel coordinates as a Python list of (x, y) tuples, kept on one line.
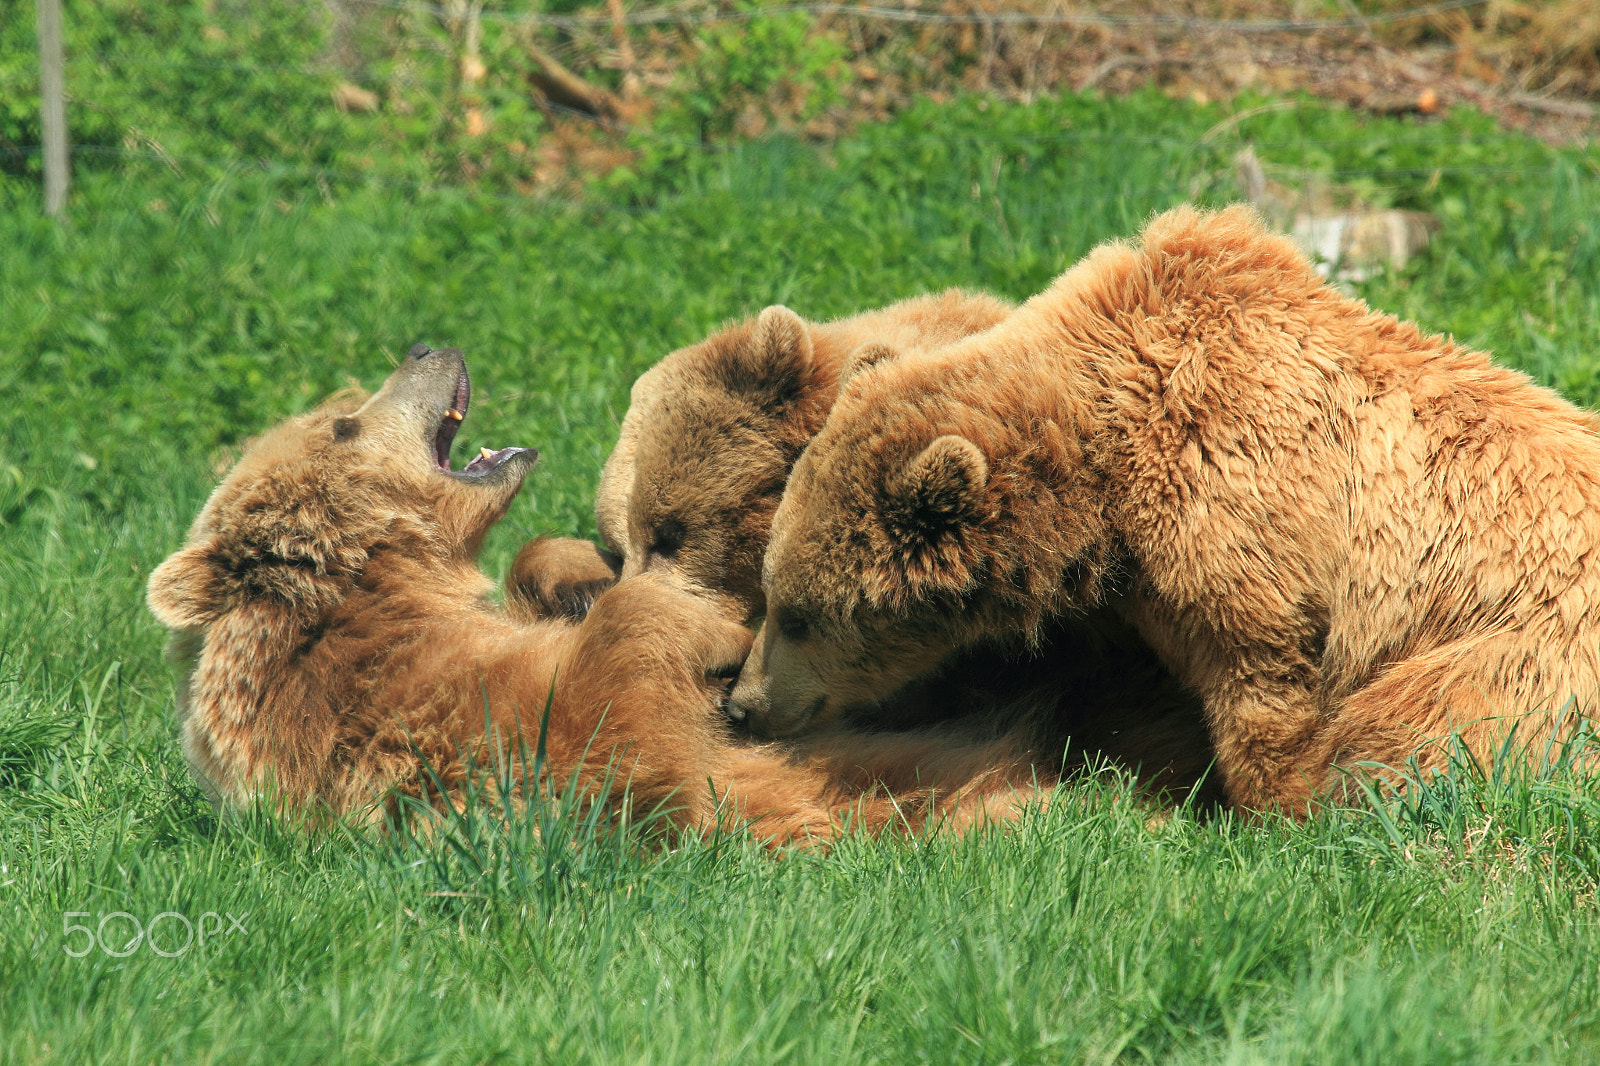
[(419, 351), (747, 700)]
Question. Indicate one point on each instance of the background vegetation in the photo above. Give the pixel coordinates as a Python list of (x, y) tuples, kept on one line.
[(199, 292)]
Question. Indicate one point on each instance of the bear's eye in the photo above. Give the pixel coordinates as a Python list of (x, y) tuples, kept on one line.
[(793, 626), (668, 539), (345, 428)]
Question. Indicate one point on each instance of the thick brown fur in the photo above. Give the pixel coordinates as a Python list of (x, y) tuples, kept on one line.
[(557, 577), (705, 451), (712, 430), (1111, 703), (1349, 537), (338, 646)]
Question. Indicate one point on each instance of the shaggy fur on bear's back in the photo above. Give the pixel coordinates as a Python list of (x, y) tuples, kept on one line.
[(701, 462), (338, 645), (1347, 536), (712, 430)]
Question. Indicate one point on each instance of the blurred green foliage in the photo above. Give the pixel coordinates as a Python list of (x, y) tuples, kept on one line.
[(209, 87), (735, 70)]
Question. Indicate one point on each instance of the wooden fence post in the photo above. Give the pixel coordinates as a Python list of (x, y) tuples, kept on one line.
[(52, 106)]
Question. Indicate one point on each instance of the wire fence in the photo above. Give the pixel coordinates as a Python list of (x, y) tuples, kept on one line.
[(678, 16), (659, 16)]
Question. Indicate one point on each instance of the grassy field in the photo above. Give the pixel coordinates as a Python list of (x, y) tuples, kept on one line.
[(169, 318)]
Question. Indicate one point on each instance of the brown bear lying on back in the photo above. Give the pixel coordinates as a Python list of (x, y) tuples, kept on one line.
[(339, 645)]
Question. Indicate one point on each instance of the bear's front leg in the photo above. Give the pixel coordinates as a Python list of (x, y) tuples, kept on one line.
[(1260, 697), (1486, 693), (1263, 727), (557, 578), (640, 699)]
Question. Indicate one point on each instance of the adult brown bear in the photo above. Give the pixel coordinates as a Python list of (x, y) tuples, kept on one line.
[(1346, 536)]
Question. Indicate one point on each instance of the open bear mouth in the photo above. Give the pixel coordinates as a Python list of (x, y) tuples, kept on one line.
[(487, 460)]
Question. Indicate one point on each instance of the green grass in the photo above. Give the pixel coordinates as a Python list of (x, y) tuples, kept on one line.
[(140, 342)]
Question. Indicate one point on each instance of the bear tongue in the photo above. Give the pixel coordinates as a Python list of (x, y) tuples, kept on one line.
[(445, 437), (451, 422), (486, 459)]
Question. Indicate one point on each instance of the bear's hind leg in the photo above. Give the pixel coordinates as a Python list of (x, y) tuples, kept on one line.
[(1488, 691)]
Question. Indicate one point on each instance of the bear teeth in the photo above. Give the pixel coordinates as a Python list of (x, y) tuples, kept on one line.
[(485, 453), (453, 413)]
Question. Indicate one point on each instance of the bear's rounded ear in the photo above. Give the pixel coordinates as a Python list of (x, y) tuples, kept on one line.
[(782, 336), (776, 361), (187, 591), (870, 354), (938, 491)]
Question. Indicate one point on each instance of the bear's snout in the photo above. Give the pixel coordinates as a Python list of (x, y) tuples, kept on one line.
[(748, 700)]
